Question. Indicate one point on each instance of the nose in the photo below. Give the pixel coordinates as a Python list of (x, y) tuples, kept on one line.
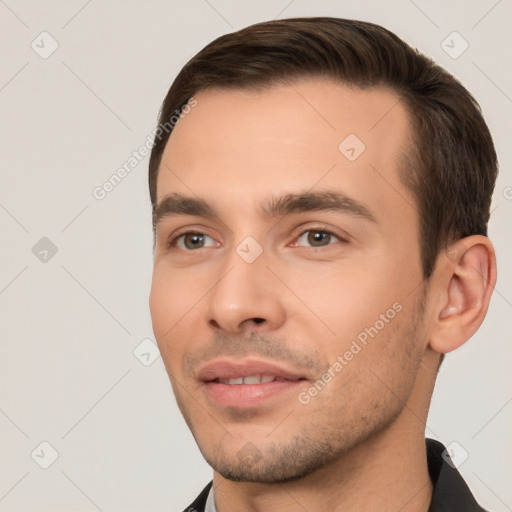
[(247, 298)]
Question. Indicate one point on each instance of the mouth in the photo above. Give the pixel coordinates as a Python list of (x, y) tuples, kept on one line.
[(252, 379), (249, 384)]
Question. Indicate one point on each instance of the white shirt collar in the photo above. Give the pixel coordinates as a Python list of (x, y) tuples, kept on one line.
[(210, 502)]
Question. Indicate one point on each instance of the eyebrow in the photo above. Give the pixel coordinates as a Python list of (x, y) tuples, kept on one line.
[(177, 204)]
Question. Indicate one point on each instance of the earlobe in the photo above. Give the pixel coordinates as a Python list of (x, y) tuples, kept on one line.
[(466, 275)]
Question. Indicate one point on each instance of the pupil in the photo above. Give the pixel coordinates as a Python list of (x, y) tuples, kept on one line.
[(193, 241)]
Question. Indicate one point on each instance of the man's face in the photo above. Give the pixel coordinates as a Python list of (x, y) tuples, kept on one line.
[(288, 313)]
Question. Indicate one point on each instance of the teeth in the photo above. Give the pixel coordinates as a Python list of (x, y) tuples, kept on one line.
[(251, 379)]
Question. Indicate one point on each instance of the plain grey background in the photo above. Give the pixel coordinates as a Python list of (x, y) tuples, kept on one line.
[(79, 369)]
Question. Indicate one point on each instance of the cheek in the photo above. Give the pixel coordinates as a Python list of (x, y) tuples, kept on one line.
[(355, 313), (160, 306), (168, 304), (172, 297), (369, 376), (177, 300), (345, 299)]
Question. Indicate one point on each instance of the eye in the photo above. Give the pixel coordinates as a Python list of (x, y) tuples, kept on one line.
[(317, 238), (192, 240)]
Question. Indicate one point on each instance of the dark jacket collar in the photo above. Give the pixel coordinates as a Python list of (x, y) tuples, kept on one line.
[(200, 502), (451, 494)]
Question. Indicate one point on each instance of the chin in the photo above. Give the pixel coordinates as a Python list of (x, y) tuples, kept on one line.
[(273, 464), (264, 475)]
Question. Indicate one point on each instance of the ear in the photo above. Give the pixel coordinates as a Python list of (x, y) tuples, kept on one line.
[(465, 277)]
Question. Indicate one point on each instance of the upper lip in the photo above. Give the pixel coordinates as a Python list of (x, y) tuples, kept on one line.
[(229, 369)]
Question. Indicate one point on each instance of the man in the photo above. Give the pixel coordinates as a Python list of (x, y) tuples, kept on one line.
[(320, 215)]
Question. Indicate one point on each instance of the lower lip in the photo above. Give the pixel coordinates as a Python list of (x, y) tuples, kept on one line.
[(247, 396)]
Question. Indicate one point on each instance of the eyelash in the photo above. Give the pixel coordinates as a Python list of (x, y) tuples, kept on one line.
[(173, 240)]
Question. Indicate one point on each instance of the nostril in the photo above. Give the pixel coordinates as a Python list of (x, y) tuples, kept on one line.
[(258, 320)]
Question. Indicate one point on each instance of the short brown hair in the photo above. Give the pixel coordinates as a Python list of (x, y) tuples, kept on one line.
[(451, 166)]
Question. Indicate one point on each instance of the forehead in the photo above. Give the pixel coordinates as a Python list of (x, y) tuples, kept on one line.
[(306, 134)]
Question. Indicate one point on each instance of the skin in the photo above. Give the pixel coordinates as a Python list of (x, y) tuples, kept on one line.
[(359, 443)]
